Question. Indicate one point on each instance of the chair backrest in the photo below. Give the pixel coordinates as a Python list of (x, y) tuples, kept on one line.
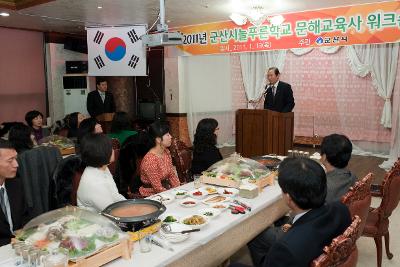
[(115, 143), (36, 170), (343, 250), (112, 167), (64, 176), (391, 190), (358, 199), (182, 159), (75, 184)]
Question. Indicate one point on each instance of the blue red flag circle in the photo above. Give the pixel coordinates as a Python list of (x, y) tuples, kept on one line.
[(115, 49)]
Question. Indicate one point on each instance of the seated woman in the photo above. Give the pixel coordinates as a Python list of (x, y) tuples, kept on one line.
[(34, 119), (87, 126), (73, 122), (156, 170), (97, 188), (121, 127), (21, 137), (205, 153)]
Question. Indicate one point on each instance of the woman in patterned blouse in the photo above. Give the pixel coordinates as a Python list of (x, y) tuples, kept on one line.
[(156, 170)]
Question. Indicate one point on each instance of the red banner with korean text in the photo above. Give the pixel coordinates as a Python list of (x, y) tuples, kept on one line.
[(361, 24)]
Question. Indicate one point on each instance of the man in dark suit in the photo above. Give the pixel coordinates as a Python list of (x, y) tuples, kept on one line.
[(278, 94), (315, 224), (13, 211), (100, 101)]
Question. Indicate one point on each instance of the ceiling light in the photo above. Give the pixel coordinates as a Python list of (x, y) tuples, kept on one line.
[(99, 7), (4, 14)]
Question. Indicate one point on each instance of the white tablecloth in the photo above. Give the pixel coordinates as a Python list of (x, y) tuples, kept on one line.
[(216, 227)]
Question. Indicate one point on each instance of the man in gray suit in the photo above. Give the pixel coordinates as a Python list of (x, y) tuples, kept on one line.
[(335, 155)]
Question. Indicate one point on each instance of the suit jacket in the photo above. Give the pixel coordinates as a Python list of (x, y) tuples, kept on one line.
[(307, 237), (95, 105), (283, 100), (338, 182), (19, 211)]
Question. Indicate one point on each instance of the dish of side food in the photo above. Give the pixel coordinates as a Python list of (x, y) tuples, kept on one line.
[(216, 199), (195, 221)]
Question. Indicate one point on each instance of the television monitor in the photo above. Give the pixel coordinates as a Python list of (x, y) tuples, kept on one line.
[(147, 110)]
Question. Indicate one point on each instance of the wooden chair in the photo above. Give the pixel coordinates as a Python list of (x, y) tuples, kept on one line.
[(182, 159), (377, 225), (343, 249), (115, 143), (358, 199)]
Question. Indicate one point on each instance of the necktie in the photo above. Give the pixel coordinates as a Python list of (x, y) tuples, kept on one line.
[(273, 90), (2, 203), (103, 96)]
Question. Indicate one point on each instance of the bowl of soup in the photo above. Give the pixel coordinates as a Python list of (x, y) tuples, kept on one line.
[(133, 214)]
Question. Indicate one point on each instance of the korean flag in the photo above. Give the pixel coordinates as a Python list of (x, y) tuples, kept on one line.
[(116, 51)]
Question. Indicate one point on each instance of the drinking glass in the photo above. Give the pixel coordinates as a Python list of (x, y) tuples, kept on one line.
[(55, 259), (196, 181), (144, 242)]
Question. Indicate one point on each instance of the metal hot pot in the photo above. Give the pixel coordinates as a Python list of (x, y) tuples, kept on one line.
[(134, 223)]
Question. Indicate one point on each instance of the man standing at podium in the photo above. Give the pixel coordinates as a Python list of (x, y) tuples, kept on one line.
[(278, 94), (100, 101)]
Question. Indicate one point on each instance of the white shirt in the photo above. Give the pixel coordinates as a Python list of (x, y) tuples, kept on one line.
[(97, 190), (275, 87), (298, 216), (8, 208), (102, 95)]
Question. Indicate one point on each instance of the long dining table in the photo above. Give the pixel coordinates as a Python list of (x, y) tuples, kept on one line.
[(215, 242)]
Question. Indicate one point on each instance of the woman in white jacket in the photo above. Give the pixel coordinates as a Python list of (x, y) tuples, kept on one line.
[(97, 188)]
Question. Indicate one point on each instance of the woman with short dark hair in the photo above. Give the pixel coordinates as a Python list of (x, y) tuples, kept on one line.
[(205, 153), (121, 127), (97, 188), (156, 170), (88, 126), (21, 137), (34, 119)]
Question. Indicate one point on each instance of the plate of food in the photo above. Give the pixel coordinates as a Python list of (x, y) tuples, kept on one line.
[(170, 218), (209, 212), (219, 206), (216, 199), (189, 202), (180, 193), (195, 221), (227, 191), (163, 198), (210, 189), (198, 193)]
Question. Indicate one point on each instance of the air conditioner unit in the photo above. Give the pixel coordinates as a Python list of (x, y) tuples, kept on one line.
[(163, 39)]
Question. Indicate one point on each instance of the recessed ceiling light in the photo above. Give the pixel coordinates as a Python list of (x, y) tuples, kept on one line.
[(99, 7), (4, 14)]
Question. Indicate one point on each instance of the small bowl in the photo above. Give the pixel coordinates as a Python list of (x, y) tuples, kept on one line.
[(163, 198), (176, 237), (210, 189), (219, 206), (165, 215), (189, 202), (198, 193), (228, 192), (180, 193), (209, 212), (195, 226)]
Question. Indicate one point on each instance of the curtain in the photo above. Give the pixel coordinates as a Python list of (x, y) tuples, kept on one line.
[(254, 66), (381, 61), (208, 93)]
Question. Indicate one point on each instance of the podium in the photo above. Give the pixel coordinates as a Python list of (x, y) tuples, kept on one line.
[(261, 132), (105, 120)]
